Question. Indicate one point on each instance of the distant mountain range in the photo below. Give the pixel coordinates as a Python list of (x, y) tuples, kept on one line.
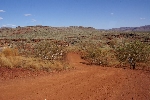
[(141, 28)]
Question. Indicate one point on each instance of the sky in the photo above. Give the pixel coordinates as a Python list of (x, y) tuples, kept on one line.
[(100, 14)]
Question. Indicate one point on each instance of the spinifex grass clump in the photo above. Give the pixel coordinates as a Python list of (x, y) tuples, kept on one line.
[(133, 53), (9, 58)]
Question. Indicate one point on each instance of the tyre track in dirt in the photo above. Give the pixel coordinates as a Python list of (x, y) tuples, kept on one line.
[(85, 82)]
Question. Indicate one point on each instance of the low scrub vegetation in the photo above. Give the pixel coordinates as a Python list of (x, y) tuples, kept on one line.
[(133, 53), (94, 54), (49, 51), (36, 46), (10, 58)]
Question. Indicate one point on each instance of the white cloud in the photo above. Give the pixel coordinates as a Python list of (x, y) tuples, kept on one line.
[(9, 25), (4, 25), (13, 25), (1, 18), (111, 13), (33, 20), (2, 11), (142, 18), (27, 14)]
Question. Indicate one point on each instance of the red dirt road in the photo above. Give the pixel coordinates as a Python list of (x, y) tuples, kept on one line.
[(83, 83)]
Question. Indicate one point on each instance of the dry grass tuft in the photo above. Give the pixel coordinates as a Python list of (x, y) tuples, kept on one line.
[(8, 58), (10, 52)]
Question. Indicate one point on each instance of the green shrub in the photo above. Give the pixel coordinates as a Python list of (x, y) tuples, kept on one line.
[(93, 54), (137, 51)]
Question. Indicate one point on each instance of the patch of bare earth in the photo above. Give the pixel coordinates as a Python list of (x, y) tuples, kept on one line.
[(84, 83)]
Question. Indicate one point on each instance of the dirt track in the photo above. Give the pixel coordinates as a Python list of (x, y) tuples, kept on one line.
[(84, 83)]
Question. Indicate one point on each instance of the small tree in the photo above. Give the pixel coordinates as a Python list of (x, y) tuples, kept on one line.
[(133, 53)]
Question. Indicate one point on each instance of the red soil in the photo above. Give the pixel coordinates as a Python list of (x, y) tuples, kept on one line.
[(85, 82)]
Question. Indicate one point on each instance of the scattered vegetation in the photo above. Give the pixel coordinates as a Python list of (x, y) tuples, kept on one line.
[(10, 58), (133, 53), (49, 51), (36, 47)]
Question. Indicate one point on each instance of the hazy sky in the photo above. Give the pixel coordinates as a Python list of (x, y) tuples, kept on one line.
[(100, 14)]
